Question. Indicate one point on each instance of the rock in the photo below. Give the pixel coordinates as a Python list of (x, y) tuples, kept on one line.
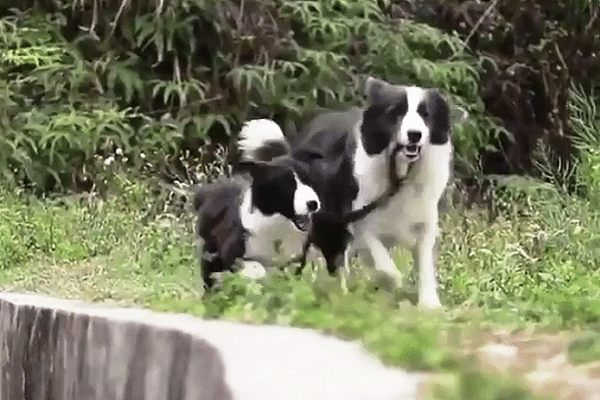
[(63, 349)]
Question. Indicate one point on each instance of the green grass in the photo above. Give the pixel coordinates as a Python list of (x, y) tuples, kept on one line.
[(533, 268), (585, 348)]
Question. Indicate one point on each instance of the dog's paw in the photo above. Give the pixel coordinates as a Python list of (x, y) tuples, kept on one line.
[(430, 301), (398, 280), (253, 270)]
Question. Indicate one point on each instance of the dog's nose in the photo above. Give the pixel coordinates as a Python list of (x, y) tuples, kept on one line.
[(312, 205), (414, 136)]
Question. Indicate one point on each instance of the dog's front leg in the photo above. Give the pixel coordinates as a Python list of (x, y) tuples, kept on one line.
[(382, 260), (424, 260)]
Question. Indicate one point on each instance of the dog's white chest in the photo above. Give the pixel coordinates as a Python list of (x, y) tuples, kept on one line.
[(406, 214), (272, 238), (416, 202), (276, 240)]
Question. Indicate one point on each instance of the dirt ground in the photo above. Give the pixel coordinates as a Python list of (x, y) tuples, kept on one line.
[(540, 360)]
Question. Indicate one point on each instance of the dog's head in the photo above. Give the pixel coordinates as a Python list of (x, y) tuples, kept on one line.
[(403, 119), (280, 183)]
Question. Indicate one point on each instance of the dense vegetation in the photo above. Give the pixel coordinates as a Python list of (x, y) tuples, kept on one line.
[(83, 79), (129, 101), (163, 85)]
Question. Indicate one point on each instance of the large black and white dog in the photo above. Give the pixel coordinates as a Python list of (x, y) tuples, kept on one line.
[(409, 125), (261, 215)]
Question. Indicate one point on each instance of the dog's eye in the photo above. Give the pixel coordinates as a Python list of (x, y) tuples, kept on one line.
[(422, 111)]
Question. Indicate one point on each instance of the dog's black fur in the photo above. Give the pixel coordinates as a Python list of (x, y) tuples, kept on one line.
[(220, 227), (217, 205)]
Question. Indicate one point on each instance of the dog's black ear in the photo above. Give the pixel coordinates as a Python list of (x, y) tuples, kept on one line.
[(439, 117), (308, 154), (458, 115), (374, 89), (199, 198), (254, 168), (271, 150), (399, 106)]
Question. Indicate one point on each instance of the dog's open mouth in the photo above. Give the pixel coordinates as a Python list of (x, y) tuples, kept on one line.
[(411, 151), (302, 222)]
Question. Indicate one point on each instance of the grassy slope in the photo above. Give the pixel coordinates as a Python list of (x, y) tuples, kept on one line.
[(533, 268)]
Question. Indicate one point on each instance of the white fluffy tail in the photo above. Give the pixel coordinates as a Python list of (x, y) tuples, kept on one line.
[(262, 140)]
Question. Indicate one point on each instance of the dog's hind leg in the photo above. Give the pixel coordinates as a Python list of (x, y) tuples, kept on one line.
[(209, 264), (345, 274), (344, 282), (333, 262), (303, 256), (424, 260), (347, 260), (382, 260)]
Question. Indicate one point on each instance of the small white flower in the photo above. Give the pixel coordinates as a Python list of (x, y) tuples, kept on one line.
[(142, 155), (109, 160), (119, 151)]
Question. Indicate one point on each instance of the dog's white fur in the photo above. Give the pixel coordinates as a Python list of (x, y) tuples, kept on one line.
[(411, 217), (265, 230), (255, 134), (412, 121)]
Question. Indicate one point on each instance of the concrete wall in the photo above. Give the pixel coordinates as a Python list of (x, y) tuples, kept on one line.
[(57, 349)]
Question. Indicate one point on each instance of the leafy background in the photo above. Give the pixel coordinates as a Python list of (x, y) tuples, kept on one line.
[(161, 86)]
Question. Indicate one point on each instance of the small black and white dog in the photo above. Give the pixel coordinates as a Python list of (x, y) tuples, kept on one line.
[(261, 215), (409, 125)]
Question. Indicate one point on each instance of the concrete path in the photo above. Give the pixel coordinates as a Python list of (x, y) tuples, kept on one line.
[(62, 349)]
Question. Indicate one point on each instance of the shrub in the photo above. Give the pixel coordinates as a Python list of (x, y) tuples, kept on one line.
[(167, 81)]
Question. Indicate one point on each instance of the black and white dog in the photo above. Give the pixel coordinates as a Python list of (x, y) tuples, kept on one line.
[(409, 125), (260, 216)]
